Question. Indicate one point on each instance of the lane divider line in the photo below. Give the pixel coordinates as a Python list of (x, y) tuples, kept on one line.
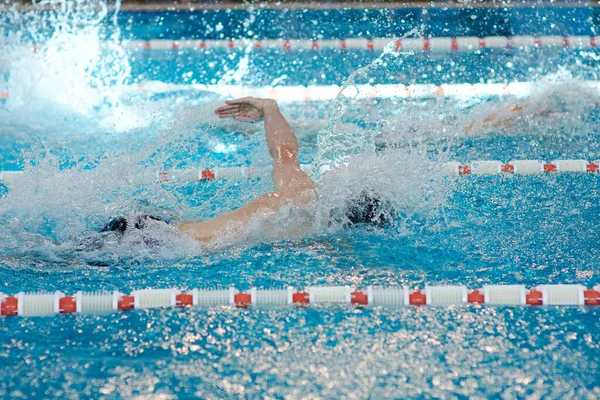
[(420, 44), (452, 168), (299, 93), (52, 303), (433, 44)]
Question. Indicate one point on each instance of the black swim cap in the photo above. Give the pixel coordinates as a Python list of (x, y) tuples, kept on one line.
[(122, 224), (366, 209)]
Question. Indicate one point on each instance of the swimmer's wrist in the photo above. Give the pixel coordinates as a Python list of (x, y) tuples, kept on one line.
[(269, 105)]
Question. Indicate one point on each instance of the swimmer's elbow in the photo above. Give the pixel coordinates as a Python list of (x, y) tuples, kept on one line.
[(196, 231)]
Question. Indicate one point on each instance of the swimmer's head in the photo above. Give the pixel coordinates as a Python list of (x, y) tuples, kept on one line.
[(365, 209), (120, 225)]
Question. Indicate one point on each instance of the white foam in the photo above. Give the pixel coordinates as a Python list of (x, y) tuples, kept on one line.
[(405, 178), (71, 67)]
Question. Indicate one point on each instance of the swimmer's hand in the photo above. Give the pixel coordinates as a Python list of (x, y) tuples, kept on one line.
[(244, 109)]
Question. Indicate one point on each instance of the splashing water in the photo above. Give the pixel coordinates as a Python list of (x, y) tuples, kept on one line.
[(76, 70), (339, 140), (58, 213), (406, 179), (72, 67), (235, 76), (519, 230)]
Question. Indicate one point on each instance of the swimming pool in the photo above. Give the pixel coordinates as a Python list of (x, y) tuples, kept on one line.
[(87, 133)]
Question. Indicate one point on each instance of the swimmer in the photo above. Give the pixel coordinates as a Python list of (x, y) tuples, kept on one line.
[(292, 185), (506, 117)]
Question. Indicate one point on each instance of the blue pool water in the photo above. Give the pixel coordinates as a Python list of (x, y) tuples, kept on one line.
[(76, 146)]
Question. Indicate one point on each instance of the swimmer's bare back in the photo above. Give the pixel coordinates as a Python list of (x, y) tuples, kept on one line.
[(291, 183)]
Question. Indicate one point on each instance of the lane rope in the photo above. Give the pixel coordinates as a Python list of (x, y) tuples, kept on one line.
[(433, 44), (51, 303), (299, 93), (420, 44), (482, 167)]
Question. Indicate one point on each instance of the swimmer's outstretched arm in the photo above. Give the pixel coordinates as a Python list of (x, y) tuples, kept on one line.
[(291, 183), (500, 119)]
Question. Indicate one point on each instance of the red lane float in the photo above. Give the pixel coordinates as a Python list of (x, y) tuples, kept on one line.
[(39, 304), (484, 167)]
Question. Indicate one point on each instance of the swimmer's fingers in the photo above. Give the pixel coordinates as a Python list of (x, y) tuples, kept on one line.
[(248, 102), (226, 114), (243, 109), (240, 100), (227, 109)]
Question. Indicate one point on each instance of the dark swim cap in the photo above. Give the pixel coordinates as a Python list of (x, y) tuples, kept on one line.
[(122, 224), (366, 209)]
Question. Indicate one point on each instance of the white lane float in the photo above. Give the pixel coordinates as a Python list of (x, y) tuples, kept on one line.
[(299, 93)]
